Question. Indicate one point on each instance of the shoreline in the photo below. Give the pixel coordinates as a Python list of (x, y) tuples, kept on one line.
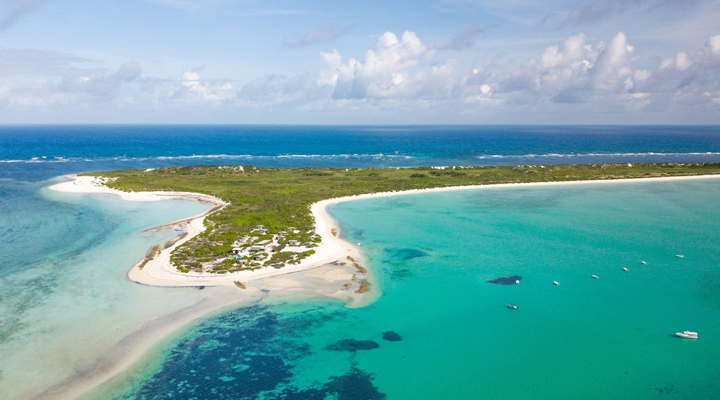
[(158, 271)]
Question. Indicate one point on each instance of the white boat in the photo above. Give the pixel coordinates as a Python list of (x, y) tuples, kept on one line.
[(687, 335), (512, 306), (625, 269), (556, 283), (595, 277), (643, 262), (679, 256)]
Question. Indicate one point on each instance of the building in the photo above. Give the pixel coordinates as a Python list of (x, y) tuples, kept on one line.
[(278, 248)]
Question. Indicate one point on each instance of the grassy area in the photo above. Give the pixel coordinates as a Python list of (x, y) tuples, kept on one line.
[(279, 198)]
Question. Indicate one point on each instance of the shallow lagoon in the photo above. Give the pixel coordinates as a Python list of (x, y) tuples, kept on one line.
[(65, 299), (434, 253)]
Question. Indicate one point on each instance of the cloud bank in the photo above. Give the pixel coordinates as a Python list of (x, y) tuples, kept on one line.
[(399, 73)]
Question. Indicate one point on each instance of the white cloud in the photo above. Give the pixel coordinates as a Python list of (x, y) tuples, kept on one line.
[(383, 72), (612, 69), (714, 44), (681, 62), (398, 73)]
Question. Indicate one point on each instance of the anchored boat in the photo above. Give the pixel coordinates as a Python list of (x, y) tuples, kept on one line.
[(687, 335)]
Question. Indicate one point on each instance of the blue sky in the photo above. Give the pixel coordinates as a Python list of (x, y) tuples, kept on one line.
[(369, 62)]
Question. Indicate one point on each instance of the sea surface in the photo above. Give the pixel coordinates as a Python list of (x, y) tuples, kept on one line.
[(440, 330)]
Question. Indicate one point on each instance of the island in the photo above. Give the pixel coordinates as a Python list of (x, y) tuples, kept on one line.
[(266, 222)]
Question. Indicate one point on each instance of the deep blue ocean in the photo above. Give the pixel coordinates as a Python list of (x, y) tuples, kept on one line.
[(277, 351), (40, 152)]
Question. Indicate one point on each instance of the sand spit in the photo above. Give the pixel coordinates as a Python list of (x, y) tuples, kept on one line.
[(325, 282)]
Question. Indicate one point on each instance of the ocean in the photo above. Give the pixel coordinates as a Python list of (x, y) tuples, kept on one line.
[(439, 331)]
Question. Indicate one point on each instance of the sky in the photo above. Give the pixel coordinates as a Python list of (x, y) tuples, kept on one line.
[(360, 62)]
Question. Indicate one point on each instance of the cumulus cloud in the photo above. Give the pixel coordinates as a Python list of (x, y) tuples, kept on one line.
[(681, 62), (714, 44), (612, 70), (385, 72), (11, 10), (577, 72), (318, 35), (194, 89)]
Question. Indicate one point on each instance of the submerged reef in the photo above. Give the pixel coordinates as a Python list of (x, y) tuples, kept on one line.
[(506, 280), (391, 336), (355, 385), (353, 345)]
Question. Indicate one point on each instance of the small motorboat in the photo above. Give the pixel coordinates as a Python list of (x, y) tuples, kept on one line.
[(687, 335), (517, 282), (625, 269), (595, 277), (556, 283), (679, 256), (512, 306), (643, 262)]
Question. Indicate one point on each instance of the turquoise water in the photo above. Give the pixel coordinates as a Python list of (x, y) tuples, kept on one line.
[(434, 253), (65, 300)]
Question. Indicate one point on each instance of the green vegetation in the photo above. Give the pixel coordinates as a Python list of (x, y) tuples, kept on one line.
[(279, 198)]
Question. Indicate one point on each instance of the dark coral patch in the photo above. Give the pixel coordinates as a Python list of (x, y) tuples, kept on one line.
[(355, 385), (353, 345), (391, 336), (506, 280)]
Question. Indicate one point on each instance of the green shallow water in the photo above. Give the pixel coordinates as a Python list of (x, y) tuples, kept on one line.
[(609, 338), (587, 338)]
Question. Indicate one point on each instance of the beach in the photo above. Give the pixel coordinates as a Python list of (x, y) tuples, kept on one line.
[(160, 272)]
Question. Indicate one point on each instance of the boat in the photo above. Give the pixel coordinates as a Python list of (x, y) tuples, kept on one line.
[(556, 283), (679, 256), (512, 306), (625, 269), (595, 277), (687, 335), (517, 282), (643, 262)]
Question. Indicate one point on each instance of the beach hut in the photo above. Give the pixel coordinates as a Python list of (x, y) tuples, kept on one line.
[(255, 249), (278, 248)]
